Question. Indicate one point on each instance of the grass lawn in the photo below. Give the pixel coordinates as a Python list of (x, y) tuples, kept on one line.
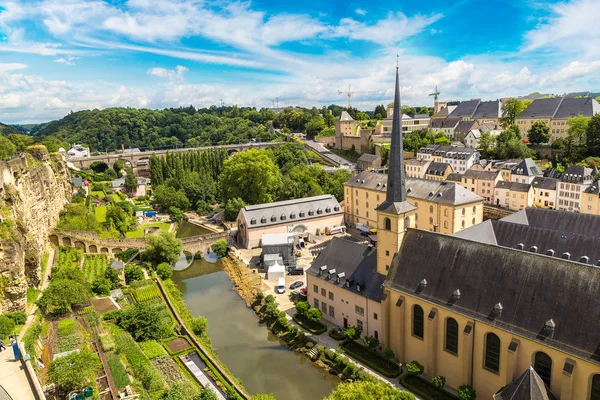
[(371, 359), (139, 232), (97, 193), (424, 389), (316, 328), (100, 213)]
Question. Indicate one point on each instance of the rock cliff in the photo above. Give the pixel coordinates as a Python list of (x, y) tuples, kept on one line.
[(32, 195)]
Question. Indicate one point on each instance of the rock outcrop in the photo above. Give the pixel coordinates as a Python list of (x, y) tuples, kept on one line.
[(32, 195)]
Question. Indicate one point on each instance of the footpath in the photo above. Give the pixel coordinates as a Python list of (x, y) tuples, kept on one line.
[(13, 374)]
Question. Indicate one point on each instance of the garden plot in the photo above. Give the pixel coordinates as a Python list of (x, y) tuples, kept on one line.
[(178, 345), (103, 305), (94, 266)]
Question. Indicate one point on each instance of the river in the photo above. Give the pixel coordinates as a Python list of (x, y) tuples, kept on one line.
[(249, 350), (187, 229)]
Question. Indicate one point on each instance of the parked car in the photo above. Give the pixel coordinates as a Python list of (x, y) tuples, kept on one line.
[(295, 270), (304, 291), (296, 284), (280, 288)]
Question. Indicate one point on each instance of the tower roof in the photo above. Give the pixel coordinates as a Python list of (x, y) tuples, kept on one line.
[(395, 198), (528, 386)]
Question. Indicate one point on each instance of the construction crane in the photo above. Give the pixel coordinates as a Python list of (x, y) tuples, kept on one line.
[(349, 93), (435, 94)]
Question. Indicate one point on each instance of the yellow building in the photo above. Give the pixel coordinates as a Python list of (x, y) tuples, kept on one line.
[(438, 171), (590, 199), (481, 183), (441, 206), (417, 168), (514, 196)]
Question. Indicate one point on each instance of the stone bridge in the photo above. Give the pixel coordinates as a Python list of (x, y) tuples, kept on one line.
[(92, 243), (132, 158)]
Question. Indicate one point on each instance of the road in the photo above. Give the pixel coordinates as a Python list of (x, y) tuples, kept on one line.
[(325, 153)]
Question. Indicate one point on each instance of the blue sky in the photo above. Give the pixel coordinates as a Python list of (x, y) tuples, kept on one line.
[(57, 56)]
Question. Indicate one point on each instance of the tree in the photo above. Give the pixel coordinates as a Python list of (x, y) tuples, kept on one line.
[(220, 248), (199, 325), (352, 333), (539, 133), (167, 197), (206, 394), (101, 286), (164, 271), (176, 214), (133, 273), (360, 390), (380, 112), (371, 342), (577, 127), (486, 143), (593, 136), (466, 392), (252, 176), (233, 207), (131, 183), (302, 307), (61, 294), (315, 125), (511, 109), (314, 314), (113, 276), (164, 247), (74, 370), (439, 382), (6, 326), (7, 148), (510, 145), (424, 110), (144, 321)]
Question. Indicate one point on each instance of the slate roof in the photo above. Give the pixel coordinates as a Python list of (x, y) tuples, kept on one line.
[(459, 153), (539, 182), (366, 157), (528, 386), (445, 111), (466, 108), (572, 107), (421, 116), (531, 288), (437, 168), (448, 122), (513, 186), (527, 167), (77, 181), (484, 175), (282, 211), (424, 189), (464, 127), (344, 116), (357, 262), (475, 132), (541, 108), (562, 221), (594, 188), (414, 161), (488, 109), (454, 177), (577, 174)]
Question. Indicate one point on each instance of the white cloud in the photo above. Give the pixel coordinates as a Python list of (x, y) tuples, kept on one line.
[(5, 67), (575, 70), (360, 11), (68, 60), (388, 31), (170, 74), (571, 28)]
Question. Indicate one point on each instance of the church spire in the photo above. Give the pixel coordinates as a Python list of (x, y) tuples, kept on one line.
[(396, 186)]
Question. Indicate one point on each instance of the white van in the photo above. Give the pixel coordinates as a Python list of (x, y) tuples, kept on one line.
[(280, 288)]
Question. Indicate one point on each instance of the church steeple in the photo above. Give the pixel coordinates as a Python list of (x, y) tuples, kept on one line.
[(395, 197), (396, 186)]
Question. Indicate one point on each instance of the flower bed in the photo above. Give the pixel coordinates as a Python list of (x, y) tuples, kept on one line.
[(118, 371), (315, 328), (337, 334), (371, 359), (424, 388)]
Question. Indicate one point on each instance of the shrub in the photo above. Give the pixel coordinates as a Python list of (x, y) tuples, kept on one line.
[(270, 299), (101, 286), (302, 307), (113, 315), (439, 382), (133, 273), (415, 368), (349, 371), (466, 392), (18, 317), (371, 342), (352, 333), (164, 271), (260, 296), (309, 345), (126, 255), (314, 314), (220, 248), (74, 370)]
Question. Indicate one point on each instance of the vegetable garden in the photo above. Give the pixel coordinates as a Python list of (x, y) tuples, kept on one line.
[(94, 266)]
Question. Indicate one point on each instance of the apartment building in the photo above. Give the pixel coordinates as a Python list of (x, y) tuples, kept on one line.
[(512, 195), (446, 125), (590, 201), (573, 183), (463, 128), (524, 172), (545, 192), (416, 122), (438, 171), (417, 168), (440, 206), (481, 183), (555, 112), (461, 159)]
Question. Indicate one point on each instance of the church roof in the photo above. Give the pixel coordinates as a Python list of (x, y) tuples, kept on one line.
[(531, 288), (528, 386), (345, 116)]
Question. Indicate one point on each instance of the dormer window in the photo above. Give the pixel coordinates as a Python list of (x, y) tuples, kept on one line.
[(302, 214), (328, 210), (336, 208), (273, 218), (283, 217), (253, 221), (292, 215), (319, 211), (311, 212), (263, 220)]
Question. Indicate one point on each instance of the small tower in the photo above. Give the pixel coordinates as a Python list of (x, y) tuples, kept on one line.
[(395, 214)]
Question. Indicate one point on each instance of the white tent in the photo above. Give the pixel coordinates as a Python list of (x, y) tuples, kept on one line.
[(275, 272)]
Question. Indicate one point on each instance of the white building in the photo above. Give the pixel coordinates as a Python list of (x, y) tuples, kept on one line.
[(573, 182), (78, 151)]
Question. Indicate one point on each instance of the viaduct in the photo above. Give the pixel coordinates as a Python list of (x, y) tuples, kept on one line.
[(132, 158), (92, 243)]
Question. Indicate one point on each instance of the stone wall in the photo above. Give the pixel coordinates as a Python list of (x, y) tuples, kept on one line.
[(32, 195)]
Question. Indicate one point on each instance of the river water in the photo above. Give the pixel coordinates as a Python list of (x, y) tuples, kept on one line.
[(249, 350), (187, 229)]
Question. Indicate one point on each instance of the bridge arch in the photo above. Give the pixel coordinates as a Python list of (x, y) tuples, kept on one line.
[(54, 239), (67, 241), (231, 152), (117, 250), (93, 248), (104, 250), (80, 245)]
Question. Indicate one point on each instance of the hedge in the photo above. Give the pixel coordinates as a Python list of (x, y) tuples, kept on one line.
[(424, 388), (313, 327), (371, 359)]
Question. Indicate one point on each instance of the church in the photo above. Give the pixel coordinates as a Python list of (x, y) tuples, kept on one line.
[(509, 306)]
